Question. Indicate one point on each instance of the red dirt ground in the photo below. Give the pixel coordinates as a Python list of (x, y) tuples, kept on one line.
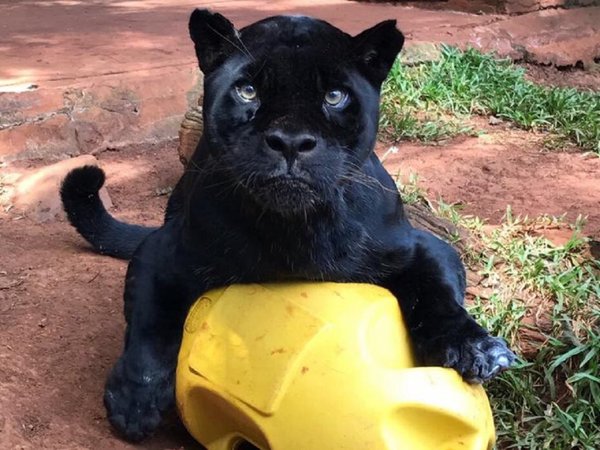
[(61, 322), (505, 167)]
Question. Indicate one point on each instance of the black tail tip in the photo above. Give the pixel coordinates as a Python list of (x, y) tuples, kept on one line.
[(84, 181)]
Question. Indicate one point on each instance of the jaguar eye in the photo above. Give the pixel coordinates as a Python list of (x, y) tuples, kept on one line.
[(246, 92), (336, 97)]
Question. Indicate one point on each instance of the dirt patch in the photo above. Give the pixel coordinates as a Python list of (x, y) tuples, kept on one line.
[(61, 323), (505, 167), (489, 6), (584, 80)]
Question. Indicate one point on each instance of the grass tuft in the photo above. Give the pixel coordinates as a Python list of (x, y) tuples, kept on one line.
[(433, 101)]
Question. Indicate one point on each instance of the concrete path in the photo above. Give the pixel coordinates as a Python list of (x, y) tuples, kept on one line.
[(79, 76)]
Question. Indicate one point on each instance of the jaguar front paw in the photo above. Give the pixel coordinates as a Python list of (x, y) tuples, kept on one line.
[(476, 358), (479, 359), (135, 404)]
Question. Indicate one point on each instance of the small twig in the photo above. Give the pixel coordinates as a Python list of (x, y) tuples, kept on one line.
[(11, 285), (94, 277)]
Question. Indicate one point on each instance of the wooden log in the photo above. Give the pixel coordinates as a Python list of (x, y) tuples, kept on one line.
[(189, 134), (423, 218)]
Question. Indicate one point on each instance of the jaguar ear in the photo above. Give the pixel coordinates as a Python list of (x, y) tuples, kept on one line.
[(215, 38), (376, 49)]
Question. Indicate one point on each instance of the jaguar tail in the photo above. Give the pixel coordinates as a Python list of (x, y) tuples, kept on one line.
[(81, 201)]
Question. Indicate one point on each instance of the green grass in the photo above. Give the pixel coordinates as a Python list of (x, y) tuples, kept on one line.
[(434, 100), (410, 190), (551, 399)]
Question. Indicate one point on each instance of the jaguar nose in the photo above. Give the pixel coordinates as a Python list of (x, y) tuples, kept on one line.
[(290, 143)]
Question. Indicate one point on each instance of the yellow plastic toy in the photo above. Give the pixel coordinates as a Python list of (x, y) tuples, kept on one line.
[(318, 366)]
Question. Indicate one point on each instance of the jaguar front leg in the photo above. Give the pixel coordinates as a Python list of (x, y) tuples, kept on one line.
[(141, 386), (430, 287)]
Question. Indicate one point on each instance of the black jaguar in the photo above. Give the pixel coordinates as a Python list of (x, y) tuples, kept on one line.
[(283, 185)]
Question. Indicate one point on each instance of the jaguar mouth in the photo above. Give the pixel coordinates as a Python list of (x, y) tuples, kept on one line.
[(286, 194), (286, 182)]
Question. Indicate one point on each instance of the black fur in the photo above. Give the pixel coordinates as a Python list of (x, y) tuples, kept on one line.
[(283, 185)]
